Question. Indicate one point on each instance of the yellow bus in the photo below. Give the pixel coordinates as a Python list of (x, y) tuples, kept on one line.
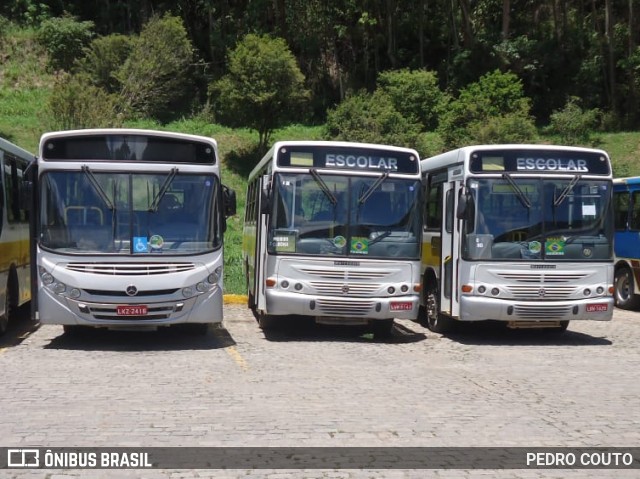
[(15, 287)]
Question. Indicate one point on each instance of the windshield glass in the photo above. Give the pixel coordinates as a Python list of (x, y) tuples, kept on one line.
[(540, 219), (322, 214), (121, 213)]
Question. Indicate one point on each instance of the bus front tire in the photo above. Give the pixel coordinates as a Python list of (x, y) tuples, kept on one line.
[(624, 288), (382, 328), (265, 321), (9, 308), (436, 322)]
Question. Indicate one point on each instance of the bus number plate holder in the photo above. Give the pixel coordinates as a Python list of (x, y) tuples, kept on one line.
[(137, 310), (596, 308)]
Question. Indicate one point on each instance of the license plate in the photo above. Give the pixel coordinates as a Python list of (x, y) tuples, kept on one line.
[(597, 307), (398, 306), (137, 310)]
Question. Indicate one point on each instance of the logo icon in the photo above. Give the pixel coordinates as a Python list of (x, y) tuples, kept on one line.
[(131, 290), (23, 458), (542, 292)]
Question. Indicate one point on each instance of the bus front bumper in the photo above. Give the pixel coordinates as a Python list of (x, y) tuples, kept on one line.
[(478, 308), (345, 309), (56, 309)]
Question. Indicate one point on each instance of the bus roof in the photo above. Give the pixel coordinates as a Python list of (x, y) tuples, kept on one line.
[(631, 180), (122, 131)]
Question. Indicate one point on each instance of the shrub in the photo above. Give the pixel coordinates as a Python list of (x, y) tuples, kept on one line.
[(574, 125), (264, 88), (75, 103), (371, 118), (103, 58), (492, 107), (415, 94), (157, 76), (64, 39)]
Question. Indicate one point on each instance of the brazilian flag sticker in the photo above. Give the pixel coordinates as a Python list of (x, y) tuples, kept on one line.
[(359, 245), (554, 247)]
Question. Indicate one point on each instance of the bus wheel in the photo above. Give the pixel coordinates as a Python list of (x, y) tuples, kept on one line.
[(382, 328), (624, 287), (561, 328), (436, 322), (9, 309), (266, 321)]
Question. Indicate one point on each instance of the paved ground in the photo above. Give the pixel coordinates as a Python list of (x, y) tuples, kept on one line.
[(308, 385)]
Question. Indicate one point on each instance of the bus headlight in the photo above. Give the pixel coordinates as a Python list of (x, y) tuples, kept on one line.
[(214, 277), (47, 278), (59, 288), (187, 292), (201, 287), (74, 293)]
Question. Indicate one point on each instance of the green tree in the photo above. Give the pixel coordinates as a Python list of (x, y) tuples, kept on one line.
[(493, 107), (103, 58), (263, 89), (64, 38), (371, 118), (415, 94), (157, 77)]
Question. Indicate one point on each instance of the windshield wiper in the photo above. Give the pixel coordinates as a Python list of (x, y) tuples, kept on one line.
[(96, 186), (567, 190), (521, 196), (323, 186), (163, 189), (365, 196)]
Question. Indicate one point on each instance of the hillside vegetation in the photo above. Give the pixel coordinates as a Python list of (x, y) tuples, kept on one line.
[(28, 85)]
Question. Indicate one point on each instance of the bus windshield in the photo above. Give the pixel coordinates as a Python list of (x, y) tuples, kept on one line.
[(541, 219), (357, 216), (94, 212)]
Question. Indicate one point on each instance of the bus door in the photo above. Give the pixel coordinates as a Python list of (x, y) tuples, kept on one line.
[(449, 296), (262, 233)]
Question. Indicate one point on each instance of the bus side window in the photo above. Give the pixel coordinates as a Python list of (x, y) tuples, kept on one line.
[(621, 209), (634, 218)]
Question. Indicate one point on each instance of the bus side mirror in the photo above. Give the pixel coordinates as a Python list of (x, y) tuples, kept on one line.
[(26, 195), (464, 207), (265, 195), (228, 201)]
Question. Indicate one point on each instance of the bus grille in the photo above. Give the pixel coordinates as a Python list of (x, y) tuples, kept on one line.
[(344, 308), (539, 292), (130, 269), (345, 274), (542, 312), (108, 312), (547, 277), (350, 289)]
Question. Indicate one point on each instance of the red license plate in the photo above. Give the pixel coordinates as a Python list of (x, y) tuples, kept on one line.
[(597, 307), (137, 310), (398, 306)]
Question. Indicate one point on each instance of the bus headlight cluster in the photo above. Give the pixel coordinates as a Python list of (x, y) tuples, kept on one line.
[(285, 284), (208, 284), (58, 287)]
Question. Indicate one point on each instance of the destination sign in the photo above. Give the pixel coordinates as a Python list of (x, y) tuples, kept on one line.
[(118, 147), (345, 158), (540, 161)]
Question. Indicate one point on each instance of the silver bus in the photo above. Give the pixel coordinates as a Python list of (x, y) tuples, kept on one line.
[(128, 229), (517, 233), (332, 231), (14, 232)]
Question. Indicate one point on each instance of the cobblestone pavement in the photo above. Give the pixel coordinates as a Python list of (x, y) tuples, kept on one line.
[(309, 385)]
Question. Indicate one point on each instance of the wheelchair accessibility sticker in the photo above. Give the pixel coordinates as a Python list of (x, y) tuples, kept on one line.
[(140, 244)]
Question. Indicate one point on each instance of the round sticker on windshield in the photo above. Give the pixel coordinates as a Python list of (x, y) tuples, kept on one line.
[(156, 242), (339, 241), (535, 246)]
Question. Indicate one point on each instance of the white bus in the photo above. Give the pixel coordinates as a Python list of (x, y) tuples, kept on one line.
[(15, 287), (517, 233), (128, 229), (332, 231)]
